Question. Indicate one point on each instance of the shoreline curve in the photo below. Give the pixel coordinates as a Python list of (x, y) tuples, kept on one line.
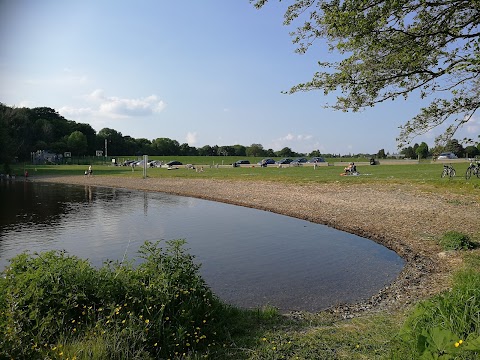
[(399, 217)]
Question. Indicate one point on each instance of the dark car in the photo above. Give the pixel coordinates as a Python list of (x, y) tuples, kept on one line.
[(284, 161), (174, 162), (315, 159), (128, 162), (266, 162), (299, 161), (240, 162)]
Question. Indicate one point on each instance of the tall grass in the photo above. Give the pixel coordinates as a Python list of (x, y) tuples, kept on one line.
[(448, 325), (56, 305)]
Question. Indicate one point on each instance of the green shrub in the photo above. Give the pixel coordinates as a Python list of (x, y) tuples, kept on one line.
[(54, 304), (448, 325), (454, 240)]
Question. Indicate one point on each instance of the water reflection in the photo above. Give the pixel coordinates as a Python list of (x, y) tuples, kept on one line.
[(249, 257)]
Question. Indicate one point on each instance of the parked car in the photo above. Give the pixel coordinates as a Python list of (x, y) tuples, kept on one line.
[(128, 162), (155, 163), (267, 162), (447, 155), (298, 161), (174, 162), (315, 159), (284, 161), (240, 162)]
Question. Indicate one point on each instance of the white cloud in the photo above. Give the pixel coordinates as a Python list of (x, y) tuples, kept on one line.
[(191, 138), (299, 143), (25, 103), (116, 107), (295, 138), (473, 126), (70, 112)]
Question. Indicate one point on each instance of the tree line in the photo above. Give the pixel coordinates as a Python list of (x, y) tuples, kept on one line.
[(24, 131), (422, 151)]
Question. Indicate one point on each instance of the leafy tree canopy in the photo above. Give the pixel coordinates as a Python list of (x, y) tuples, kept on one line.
[(77, 143), (391, 49)]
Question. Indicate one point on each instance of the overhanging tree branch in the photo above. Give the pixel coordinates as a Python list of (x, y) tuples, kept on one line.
[(393, 48)]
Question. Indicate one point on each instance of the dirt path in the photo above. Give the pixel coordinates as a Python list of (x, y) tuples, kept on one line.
[(400, 217)]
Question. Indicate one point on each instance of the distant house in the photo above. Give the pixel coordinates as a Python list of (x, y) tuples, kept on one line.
[(45, 157)]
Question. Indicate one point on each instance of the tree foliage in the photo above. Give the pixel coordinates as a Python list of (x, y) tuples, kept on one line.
[(422, 150), (77, 143), (391, 49)]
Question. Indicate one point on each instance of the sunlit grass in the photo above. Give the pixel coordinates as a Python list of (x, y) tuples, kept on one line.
[(426, 176)]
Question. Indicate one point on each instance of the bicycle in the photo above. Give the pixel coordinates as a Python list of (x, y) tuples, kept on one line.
[(474, 169), (449, 171)]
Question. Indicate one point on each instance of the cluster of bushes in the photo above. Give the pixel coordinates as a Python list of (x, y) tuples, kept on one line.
[(54, 305)]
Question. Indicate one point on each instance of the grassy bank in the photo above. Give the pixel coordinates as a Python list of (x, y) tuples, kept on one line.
[(446, 326), (426, 175)]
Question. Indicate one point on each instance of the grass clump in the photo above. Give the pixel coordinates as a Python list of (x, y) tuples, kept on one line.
[(54, 305), (448, 325), (454, 240)]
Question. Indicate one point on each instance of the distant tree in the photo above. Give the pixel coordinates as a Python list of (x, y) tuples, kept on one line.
[(255, 150), (90, 134), (41, 145), (315, 153), (165, 146), (454, 146), (408, 152), (206, 150), (472, 151), (422, 150), (239, 150), (16, 134), (392, 49), (187, 150), (225, 151), (270, 153), (381, 154), (143, 145), (44, 131), (6, 138), (285, 152), (115, 142), (77, 143)]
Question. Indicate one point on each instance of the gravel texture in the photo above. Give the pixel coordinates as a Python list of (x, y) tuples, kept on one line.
[(401, 217)]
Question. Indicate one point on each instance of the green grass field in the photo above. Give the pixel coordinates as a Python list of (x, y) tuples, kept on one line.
[(427, 175)]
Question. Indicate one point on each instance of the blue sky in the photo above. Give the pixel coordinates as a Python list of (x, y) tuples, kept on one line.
[(205, 72)]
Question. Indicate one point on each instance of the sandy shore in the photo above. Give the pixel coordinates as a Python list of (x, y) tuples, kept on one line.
[(401, 217)]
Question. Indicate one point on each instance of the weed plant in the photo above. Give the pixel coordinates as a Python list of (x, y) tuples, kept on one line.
[(54, 305), (454, 240), (448, 325)]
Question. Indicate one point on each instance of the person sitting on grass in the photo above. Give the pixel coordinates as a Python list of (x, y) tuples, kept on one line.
[(350, 169)]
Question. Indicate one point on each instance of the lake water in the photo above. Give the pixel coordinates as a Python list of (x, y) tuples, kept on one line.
[(250, 258)]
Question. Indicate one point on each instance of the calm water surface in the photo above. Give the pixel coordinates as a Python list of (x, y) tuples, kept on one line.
[(249, 258)]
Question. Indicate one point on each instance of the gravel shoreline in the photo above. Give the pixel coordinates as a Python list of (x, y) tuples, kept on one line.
[(400, 217)]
